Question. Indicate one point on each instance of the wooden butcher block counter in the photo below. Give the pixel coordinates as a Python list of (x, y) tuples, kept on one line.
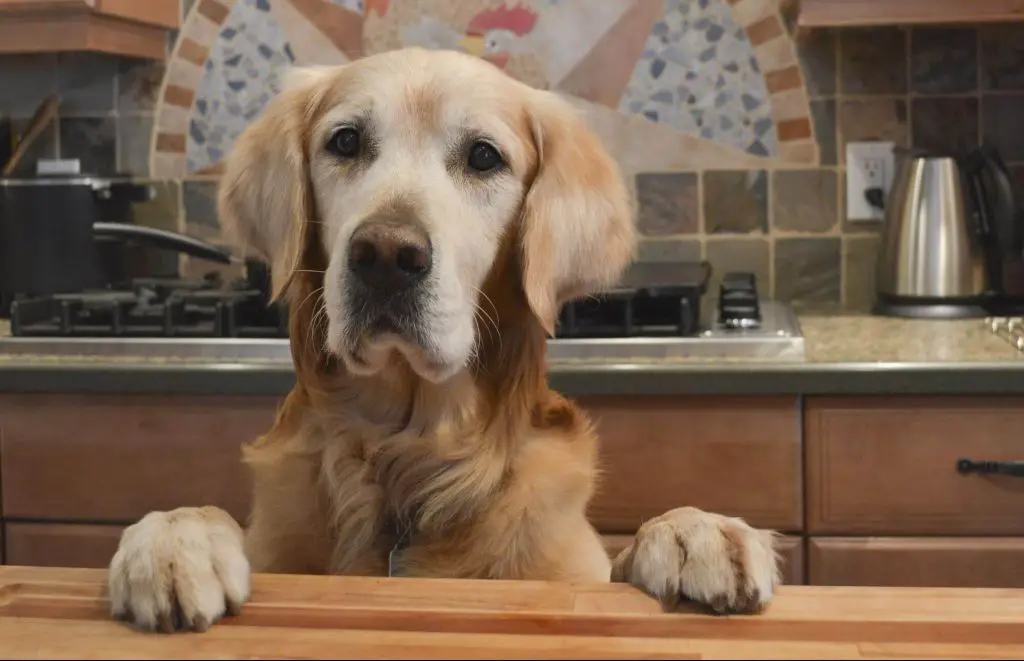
[(63, 613)]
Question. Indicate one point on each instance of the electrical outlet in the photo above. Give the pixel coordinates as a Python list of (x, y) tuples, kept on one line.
[(869, 165)]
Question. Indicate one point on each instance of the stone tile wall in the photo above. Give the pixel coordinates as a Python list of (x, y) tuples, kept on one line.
[(941, 88)]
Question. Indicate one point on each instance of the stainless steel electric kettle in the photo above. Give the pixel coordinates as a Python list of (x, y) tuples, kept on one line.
[(950, 223)]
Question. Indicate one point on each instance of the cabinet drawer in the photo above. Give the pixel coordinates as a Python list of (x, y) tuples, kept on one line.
[(791, 548), (60, 544), (115, 458), (733, 456), (973, 562), (889, 466)]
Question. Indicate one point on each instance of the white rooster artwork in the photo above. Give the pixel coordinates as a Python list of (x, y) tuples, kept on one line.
[(668, 84)]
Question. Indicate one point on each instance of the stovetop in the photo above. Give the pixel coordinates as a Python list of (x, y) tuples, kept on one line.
[(654, 314), (152, 307)]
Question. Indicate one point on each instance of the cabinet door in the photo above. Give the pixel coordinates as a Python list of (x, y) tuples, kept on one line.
[(791, 548), (888, 466), (112, 459), (60, 544), (917, 561), (735, 456)]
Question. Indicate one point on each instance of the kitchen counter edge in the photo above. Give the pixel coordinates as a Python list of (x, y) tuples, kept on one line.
[(574, 380)]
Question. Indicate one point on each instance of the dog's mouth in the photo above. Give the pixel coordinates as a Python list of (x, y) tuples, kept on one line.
[(374, 336)]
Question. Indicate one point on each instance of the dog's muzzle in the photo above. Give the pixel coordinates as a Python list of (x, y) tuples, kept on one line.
[(388, 262)]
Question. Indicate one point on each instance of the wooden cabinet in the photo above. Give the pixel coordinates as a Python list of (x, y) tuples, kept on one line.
[(61, 544), (735, 456), (884, 503), (917, 561), (888, 466), (133, 28), (859, 13), (112, 459)]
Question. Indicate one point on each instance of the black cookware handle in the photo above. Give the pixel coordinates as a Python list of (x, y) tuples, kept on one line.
[(164, 239), (1006, 217), (1012, 468)]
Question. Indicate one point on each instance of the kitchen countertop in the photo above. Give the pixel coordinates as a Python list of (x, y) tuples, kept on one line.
[(844, 354), (63, 613)]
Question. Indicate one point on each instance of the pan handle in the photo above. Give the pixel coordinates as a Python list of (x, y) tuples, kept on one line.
[(168, 240)]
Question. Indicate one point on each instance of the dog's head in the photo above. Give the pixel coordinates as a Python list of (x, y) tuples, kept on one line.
[(398, 179)]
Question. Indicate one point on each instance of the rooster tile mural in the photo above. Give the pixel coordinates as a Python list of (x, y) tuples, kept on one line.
[(670, 85)]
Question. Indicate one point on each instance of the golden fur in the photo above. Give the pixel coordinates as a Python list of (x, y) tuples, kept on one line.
[(485, 469)]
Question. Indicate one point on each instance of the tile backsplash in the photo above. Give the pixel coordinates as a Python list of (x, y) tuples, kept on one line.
[(741, 203)]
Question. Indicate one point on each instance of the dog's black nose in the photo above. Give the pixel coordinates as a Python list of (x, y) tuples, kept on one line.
[(389, 256)]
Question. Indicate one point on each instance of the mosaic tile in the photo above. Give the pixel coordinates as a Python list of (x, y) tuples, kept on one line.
[(92, 141), (86, 83), (134, 135), (1001, 118), (874, 119), (669, 250), (698, 73), (874, 61), (25, 80), (1002, 57), (200, 207), (808, 270), (823, 112), (948, 125), (241, 75), (943, 61), (736, 202), (804, 200), (860, 259), (138, 83), (818, 58), (357, 6), (667, 203)]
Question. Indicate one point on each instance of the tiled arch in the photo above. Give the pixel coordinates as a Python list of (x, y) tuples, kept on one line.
[(177, 93), (777, 56), (761, 20)]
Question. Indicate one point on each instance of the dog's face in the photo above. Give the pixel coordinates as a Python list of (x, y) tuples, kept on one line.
[(410, 170)]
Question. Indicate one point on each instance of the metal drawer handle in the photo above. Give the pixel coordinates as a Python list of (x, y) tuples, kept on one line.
[(1014, 468)]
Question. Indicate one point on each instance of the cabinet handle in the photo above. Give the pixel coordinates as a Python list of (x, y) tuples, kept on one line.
[(1013, 468)]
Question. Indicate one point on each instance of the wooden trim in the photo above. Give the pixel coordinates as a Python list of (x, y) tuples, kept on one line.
[(163, 13), (850, 13), (53, 26)]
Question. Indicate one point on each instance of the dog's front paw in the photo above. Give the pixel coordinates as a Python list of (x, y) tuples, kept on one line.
[(176, 570), (715, 560)]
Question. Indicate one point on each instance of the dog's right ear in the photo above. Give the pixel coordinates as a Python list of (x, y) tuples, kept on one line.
[(265, 198)]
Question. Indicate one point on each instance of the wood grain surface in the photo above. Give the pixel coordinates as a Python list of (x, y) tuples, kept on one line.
[(63, 613)]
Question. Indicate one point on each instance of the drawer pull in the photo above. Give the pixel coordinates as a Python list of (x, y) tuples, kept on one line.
[(1014, 468)]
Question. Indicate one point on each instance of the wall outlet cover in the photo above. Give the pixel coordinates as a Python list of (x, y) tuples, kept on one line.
[(869, 165)]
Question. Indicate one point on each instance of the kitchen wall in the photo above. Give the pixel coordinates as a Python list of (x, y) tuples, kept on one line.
[(741, 196)]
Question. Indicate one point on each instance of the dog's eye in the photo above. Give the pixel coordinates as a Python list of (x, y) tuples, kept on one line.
[(344, 143), (483, 157)]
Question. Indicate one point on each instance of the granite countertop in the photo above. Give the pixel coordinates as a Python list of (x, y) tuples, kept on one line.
[(843, 339), (844, 353)]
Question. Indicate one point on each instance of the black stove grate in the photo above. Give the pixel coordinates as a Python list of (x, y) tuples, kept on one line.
[(653, 300), (151, 308)]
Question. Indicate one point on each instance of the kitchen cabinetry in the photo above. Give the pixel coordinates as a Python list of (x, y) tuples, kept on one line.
[(859, 13), (864, 489), (132, 28)]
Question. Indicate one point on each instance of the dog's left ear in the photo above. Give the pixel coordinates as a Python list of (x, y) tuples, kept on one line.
[(578, 232)]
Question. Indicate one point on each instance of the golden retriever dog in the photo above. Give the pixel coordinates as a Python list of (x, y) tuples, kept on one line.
[(425, 216)]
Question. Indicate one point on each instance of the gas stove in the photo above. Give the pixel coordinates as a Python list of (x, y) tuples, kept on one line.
[(654, 314)]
